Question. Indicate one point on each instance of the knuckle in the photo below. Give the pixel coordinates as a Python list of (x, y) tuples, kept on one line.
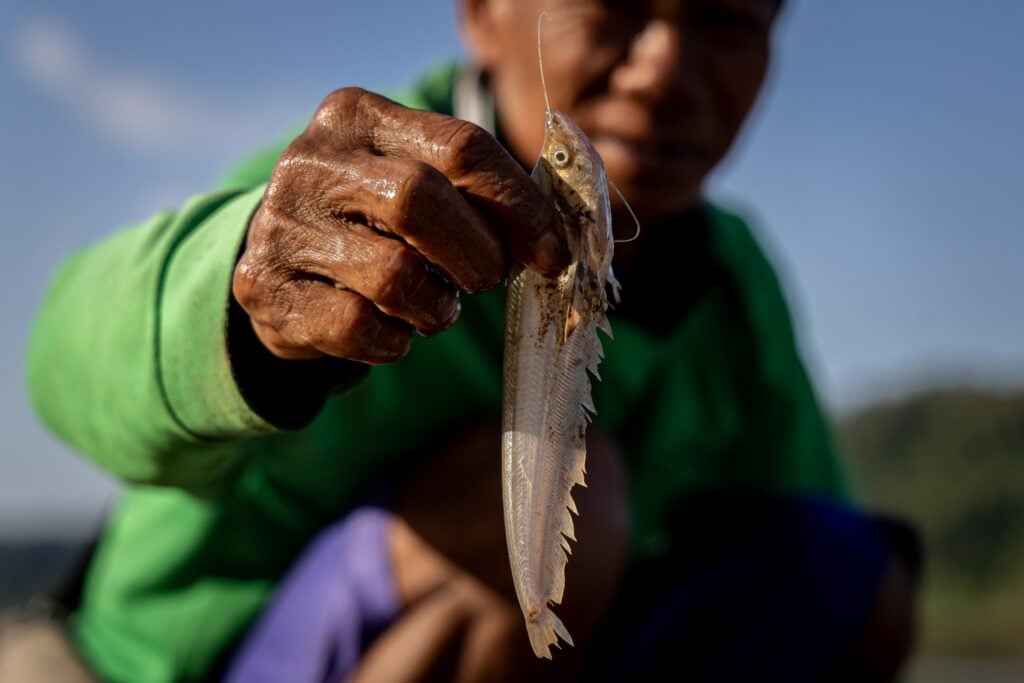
[(338, 107), (249, 281), (286, 240), (464, 136), (290, 179), (270, 237), (243, 285), (295, 154), (420, 182), (279, 346), (350, 320), (347, 118), (344, 97), (464, 145), (362, 333), (398, 267), (284, 301)]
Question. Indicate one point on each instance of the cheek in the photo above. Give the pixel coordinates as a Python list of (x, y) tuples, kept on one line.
[(572, 66), (578, 51), (520, 106), (736, 79), (578, 61)]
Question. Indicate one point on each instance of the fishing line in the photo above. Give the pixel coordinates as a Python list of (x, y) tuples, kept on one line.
[(547, 104), (628, 208), (540, 60)]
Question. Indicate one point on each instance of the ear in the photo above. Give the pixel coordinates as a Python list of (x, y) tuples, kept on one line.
[(478, 26)]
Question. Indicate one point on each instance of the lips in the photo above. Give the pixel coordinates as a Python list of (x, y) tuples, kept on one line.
[(653, 147)]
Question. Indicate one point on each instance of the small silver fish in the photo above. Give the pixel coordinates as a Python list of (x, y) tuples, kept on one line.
[(551, 343)]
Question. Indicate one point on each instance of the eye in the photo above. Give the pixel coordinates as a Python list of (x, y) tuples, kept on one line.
[(560, 157)]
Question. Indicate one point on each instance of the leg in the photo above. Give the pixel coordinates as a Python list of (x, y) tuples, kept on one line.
[(432, 577), (37, 649), (462, 621), (754, 588), (883, 644)]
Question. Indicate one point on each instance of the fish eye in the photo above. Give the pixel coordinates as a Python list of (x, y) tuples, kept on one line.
[(560, 157)]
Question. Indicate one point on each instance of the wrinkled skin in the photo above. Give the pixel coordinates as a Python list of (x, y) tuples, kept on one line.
[(662, 87), (323, 272)]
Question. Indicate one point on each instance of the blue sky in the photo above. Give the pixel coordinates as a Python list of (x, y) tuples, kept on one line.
[(880, 170)]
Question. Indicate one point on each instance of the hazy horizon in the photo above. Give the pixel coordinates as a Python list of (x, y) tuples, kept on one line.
[(879, 171)]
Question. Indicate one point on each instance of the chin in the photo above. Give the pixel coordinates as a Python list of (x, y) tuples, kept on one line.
[(655, 186), (654, 208), (660, 197)]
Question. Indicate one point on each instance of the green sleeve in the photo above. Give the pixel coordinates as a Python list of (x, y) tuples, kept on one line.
[(128, 360), (131, 361)]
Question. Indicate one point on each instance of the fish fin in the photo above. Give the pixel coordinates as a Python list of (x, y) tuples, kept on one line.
[(572, 320), (544, 630), (616, 288), (577, 300)]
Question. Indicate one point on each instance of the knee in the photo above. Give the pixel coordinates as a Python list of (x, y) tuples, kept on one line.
[(884, 642), (860, 546), (452, 504)]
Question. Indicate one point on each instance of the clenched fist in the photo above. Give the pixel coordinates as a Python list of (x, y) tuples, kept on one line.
[(374, 218)]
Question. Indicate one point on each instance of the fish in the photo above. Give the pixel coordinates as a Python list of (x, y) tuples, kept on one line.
[(551, 348)]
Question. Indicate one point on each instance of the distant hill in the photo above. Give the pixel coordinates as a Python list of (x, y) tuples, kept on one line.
[(29, 568), (952, 461)]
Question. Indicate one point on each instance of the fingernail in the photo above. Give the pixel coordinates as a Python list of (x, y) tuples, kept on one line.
[(457, 310)]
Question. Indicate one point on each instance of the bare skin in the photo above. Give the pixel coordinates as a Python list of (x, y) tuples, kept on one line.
[(662, 88), (462, 621), (377, 216), (374, 218)]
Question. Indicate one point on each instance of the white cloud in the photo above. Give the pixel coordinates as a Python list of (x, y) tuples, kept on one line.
[(136, 110)]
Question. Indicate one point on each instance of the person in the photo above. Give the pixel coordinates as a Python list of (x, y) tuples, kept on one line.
[(298, 376)]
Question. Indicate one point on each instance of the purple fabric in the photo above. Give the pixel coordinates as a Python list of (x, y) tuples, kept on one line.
[(333, 601), (755, 589)]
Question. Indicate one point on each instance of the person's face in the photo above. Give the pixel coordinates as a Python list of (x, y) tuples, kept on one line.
[(660, 86)]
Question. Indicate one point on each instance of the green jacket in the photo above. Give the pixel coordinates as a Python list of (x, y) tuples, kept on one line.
[(129, 364)]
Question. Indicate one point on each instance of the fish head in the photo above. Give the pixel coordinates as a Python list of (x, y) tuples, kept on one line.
[(571, 172), (568, 154)]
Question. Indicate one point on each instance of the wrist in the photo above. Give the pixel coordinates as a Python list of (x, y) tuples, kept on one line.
[(286, 393)]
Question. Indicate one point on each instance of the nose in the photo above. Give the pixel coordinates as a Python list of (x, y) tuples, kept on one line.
[(654, 62)]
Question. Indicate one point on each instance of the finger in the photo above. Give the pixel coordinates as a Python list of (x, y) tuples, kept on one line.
[(420, 642), (281, 347), (475, 163), (404, 197), (414, 201), (311, 316), (497, 186), (396, 279)]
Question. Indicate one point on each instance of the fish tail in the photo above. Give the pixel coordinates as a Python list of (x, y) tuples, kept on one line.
[(544, 630)]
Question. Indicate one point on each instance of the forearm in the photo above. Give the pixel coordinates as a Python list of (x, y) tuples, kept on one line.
[(129, 358)]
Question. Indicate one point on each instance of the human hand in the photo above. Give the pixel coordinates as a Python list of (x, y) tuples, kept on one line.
[(374, 218)]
